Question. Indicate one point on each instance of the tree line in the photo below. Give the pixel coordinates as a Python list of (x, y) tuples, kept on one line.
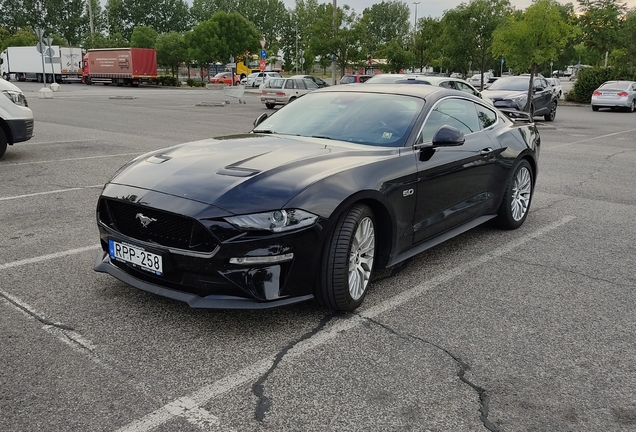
[(475, 35)]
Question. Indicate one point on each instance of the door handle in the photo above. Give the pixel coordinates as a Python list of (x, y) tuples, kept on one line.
[(486, 151)]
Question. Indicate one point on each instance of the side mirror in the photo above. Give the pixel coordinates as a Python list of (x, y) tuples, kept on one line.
[(448, 136), (260, 119)]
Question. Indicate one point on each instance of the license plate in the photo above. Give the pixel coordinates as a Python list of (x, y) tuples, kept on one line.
[(135, 255), (271, 100)]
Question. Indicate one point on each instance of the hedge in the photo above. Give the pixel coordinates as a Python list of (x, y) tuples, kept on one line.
[(591, 79)]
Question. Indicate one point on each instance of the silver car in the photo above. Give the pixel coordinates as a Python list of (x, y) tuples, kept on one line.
[(615, 94), (439, 81), (281, 91)]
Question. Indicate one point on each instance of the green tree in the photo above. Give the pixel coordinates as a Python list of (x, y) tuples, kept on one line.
[(266, 15), (532, 38), (628, 37), (172, 51), (220, 37), (345, 44), (397, 58), (468, 32), (162, 15), (203, 10), (143, 37), (384, 22), (427, 45), (599, 22), (23, 37)]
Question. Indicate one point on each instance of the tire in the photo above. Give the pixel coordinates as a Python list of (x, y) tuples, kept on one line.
[(39, 77), (347, 260), (518, 194), (3, 143), (291, 100), (594, 108), (550, 116), (270, 105), (632, 107), (6, 76), (49, 78)]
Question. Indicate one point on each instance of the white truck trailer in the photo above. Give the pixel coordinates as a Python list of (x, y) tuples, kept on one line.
[(25, 63)]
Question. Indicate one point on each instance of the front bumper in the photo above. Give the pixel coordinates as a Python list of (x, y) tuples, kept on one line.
[(21, 130), (104, 265), (207, 278)]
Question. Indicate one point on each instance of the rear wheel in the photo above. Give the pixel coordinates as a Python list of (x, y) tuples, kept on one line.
[(594, 108), (551, 115), (39, 77), (632, 107), (270, 105), (6, 76), (347, 260), (517, 197), (3, 142)]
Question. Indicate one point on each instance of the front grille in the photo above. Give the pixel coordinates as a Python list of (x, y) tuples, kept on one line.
[(166, 229)]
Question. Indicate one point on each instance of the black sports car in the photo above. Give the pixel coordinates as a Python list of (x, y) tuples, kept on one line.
[(344, 180)]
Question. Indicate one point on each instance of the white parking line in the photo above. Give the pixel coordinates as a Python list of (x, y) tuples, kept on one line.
[(252, 372), (71, 159), (588, 139), (47, 257), (58, 142), (49, 192)]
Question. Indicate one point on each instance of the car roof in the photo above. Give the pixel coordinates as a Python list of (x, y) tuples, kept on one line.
[(421, 91)]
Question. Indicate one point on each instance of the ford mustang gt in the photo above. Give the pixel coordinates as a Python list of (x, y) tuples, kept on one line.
[(345, 180)]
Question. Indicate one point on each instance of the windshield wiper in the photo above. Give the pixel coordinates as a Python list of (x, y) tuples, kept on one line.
[(263, 131)]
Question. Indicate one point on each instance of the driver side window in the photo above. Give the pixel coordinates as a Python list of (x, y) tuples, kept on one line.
[(458, 113)]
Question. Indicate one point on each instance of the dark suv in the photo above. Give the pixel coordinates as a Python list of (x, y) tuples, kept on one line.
[(512, 92)]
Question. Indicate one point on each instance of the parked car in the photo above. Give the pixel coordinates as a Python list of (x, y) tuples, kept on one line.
[(475, 80), (318, 81), (491, 80), (354, 78), (557, 88), (512, 93), (456, 75), (302, 209), (265, 76), (16, 118), (615, 94), (440, 81), (281, 91), (249, 80), (224, 78)]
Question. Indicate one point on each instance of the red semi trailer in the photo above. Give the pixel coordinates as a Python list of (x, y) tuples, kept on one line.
[(121, 66)]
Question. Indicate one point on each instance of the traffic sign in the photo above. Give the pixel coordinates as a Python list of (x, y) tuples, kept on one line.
[(40, 46), (263, 54), (262, 43), (302, 60), (262, 65), (502, 61)]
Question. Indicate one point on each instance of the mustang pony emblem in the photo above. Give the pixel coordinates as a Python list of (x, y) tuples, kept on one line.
[(145, 220)]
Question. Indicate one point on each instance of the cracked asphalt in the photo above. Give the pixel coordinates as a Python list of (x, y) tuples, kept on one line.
[(529, 330)]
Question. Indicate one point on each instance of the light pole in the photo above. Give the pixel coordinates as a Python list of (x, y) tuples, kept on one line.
[(333, 59), (416, 3)]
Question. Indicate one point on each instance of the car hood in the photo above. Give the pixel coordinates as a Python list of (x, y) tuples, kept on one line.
[(245, 173), (503, 94)]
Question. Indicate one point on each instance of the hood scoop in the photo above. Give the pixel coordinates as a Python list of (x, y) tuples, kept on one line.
[(234, 171)]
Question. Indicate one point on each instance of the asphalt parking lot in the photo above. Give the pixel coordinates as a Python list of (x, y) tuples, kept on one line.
[(527, 330)]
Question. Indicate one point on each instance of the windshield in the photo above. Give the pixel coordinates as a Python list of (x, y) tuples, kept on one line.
[(513, 84), (364, 118), (385, 79), (347, 80)]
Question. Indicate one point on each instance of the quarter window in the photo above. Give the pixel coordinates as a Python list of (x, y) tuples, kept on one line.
[(486, 117)]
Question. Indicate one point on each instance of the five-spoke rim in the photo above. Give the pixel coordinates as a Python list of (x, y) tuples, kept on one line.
[(361, 258), (521, 192)]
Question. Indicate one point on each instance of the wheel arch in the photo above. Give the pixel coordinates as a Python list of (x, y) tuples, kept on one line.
[(7, 131), (385, 221)]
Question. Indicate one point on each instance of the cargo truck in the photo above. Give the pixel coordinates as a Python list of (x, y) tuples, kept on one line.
[(25, 64), (120, 66)]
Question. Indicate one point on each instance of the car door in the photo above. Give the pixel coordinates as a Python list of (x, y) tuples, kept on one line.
[(541, 96), (454, 183)]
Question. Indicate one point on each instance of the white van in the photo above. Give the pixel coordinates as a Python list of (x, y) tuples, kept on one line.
[(16, 118)]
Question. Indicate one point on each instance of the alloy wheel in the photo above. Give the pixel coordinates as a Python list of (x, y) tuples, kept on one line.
[(521, 193), (361, 258)]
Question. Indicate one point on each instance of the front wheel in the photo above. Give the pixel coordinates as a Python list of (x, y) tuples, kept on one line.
[(632, 107), (347, 260), (550, 116), (3, 143), (517, 197)]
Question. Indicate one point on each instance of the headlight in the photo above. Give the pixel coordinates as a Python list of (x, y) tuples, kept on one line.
[(275, 221), (16, 97), (519, 98)]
